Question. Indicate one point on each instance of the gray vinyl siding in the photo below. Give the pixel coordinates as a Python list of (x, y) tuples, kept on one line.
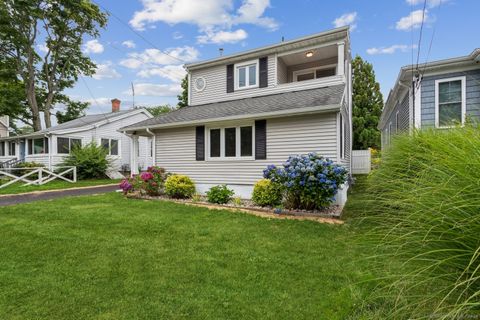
[(175, 149), (403, 109), (472, 95), (216, 85), (347, 138)]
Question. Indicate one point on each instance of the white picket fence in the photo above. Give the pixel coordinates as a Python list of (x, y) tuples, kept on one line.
[(361, 161), (43, 175)]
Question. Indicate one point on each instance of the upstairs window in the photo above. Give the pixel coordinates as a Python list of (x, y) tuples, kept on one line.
[(65, 145), (230, 143), (450, 102), (315, 73), (111, 145), (246, 75)]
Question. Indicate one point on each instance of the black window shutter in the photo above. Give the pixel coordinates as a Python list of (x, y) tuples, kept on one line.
[(263, 72), (200, 143), (229, 78), (260, 139)]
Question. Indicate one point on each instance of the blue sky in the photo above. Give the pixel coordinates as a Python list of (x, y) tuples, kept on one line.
[(383, 32)]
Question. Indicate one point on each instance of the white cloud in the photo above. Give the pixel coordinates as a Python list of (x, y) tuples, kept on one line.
[(42, 47), (158, 90), (106, 71), (175, 73), (223, 36), (347, 19), (430, 3), (129, 44), (412, 21), (391, 50), (93, 46), (148, 57), (207, 15)]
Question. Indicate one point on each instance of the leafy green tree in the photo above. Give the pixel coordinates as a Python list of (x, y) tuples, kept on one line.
[(73, 110), (46, 69), (158, 110), (183, 97), (367, 105)]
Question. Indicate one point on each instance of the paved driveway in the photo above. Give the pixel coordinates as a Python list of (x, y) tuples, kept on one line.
[(55, 194)]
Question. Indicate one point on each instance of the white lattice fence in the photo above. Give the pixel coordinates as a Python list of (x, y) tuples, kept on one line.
[(361, 161)]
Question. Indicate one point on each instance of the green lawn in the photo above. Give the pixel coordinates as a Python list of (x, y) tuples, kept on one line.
[(106, 257), (18, 187)]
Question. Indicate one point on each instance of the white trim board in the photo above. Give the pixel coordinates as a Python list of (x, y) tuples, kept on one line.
[(463, 80)]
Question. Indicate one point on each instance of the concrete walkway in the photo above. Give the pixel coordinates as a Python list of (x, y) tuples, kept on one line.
[(8, 200)]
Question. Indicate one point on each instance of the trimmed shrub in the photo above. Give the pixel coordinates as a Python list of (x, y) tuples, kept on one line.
[(150, 182), (311, 181), (423, 212), (219, 194), (179, 186), (27, 165), (91, 161), (267, 193)]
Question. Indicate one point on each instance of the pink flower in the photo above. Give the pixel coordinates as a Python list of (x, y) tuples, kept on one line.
[(145, 176)]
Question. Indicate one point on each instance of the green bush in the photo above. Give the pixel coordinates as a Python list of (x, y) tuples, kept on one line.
[(91, 161), (219, 194), (27, 165), (267, 193), (179, 186), (424, 213)]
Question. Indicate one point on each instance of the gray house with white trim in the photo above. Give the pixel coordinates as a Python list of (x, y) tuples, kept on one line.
[(439, 94), (258, 107)]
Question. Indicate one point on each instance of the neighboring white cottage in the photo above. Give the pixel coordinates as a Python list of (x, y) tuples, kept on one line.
[(51, 145), (256, 108)]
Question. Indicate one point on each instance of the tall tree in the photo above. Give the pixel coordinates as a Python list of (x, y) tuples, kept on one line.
[(44, 38), (73, 110), (159, 110), (367, 105), (183, 97)]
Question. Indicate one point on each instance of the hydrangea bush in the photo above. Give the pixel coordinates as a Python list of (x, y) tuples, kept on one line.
[(311, 181), (150, 182)]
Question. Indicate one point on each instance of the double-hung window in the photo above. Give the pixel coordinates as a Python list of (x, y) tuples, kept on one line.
[(111, 145), (235, 142), (450, 102), (11, 148), (246, 75), (65, 145)]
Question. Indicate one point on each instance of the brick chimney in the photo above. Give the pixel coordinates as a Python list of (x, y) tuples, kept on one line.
[(115, 105)]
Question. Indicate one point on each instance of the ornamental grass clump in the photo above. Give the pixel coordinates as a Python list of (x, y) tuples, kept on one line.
[(424, 217), (310, 181)]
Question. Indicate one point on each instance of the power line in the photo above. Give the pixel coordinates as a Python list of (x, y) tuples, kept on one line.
[(421, 31), (137, 33), (431, 42)]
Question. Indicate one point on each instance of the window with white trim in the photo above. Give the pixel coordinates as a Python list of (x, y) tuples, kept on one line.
[(11, 148), (450, 102), (246, 75), (65, 145), (232, 142), (315, 73), (111, 145), (38, 146)]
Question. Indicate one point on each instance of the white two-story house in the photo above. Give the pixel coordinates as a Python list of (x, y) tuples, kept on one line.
[(254, 108)]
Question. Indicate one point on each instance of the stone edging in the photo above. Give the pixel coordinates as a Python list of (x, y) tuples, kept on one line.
[(264, 213), (54, 190)]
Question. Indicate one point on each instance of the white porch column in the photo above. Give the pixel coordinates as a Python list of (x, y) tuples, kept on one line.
[(133, 155), (341, 58)]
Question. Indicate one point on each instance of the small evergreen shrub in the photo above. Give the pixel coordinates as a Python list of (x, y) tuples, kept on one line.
[(179, 186), (28, 165), (219, 194), (311, 181), (91, 161), (267, 193)]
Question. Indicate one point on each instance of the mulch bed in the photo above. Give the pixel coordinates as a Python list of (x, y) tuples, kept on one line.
[(330, 215)]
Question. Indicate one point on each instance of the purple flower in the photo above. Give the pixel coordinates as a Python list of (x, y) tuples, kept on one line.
[(145, 176)]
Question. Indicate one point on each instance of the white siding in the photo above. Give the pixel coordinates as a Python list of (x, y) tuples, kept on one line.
[(175, 149)]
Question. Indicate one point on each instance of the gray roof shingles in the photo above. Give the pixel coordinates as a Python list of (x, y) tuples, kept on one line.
[(319, 97)]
